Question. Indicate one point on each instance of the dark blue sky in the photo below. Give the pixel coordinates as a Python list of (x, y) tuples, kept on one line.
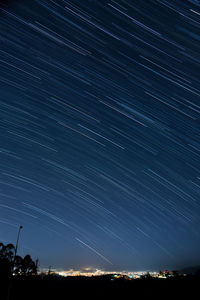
[(100, 132)]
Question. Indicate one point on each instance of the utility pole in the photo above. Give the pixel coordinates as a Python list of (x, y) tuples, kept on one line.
[(50, 268), (17, 242), (36, 266), (13, 264)]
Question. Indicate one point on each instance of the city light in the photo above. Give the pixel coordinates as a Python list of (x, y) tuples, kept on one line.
[(89, 272)]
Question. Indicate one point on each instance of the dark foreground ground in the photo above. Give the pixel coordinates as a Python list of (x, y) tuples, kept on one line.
[(99, 287)]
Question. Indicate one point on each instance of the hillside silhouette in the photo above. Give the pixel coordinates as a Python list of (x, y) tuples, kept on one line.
[(19, 280)]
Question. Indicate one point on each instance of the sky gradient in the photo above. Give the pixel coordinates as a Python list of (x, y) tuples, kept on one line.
[(100, 132)]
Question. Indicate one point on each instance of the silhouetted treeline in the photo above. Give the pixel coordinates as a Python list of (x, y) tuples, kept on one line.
[(19, 281)]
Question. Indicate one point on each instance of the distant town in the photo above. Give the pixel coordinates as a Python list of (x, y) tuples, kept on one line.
[(115, 275)]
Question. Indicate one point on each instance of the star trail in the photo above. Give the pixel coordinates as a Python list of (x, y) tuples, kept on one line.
[(100, 132)]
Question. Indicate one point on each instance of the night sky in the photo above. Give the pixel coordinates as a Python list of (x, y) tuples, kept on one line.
[(100, 132)]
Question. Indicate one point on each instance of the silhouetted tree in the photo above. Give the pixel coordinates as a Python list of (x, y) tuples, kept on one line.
[(6, 259), (9, 263), (25, 266), (29, 266), (7, 251), (17, 265)]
